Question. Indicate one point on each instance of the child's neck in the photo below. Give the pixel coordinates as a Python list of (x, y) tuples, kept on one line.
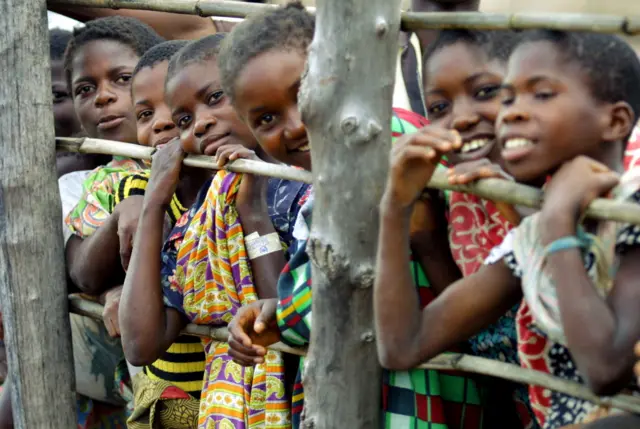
[(190, 184)]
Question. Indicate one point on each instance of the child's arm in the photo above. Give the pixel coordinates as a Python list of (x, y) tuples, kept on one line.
[(407, 336), (94, 263), (148, 328), (600, 333), (636, 368), (254, 217), (429, 243)]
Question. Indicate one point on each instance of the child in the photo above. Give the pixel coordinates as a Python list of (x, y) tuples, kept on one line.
[(559, 104), (181, 367), (99, 62), (262, 65), (205, 253), (463, 75), (65, 120)]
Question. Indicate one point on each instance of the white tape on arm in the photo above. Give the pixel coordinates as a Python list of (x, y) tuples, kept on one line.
[(263, 245)]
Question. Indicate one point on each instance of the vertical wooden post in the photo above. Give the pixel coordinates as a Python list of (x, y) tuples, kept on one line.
[(346, 105), (32, 278)]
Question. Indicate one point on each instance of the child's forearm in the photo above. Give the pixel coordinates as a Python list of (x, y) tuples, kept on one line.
[(598, 339), (397, 312), (147, 327), (254, 217), (94, 262)]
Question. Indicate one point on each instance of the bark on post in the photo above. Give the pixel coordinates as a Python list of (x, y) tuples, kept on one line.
[(32, 278), (346, 105)]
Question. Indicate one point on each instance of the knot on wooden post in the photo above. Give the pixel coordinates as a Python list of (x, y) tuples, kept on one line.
[(357, 134), (381, 27), (367, 337), (364, 276), (349, 125), (325, 256)]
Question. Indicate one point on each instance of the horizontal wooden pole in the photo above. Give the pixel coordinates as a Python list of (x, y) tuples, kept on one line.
[(410, 20), (491, 189), (108, 147), (446, 361)]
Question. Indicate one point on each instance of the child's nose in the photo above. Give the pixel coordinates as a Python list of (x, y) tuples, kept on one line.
[(163, 125)]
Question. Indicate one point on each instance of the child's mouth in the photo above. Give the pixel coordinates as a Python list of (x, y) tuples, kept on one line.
[(517, 148), (474, 145)]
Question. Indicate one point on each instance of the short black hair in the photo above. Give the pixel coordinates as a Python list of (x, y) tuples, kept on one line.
[(58, 40), (197, 51), (159, 53), (289, 27), (610, 65), (129, 31), (496, 44)]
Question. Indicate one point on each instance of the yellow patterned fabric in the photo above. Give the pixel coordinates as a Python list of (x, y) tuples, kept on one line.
[(97, 201), (136, 184), (210, 281), (159, 404)]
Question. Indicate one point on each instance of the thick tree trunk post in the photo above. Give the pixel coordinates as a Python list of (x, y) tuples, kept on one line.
[(32, 277), (346, 105)]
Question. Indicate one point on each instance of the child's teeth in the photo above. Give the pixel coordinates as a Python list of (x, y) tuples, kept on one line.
[(519, 142), (473, 145)]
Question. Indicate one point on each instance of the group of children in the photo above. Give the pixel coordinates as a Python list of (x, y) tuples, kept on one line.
[(164, 245)]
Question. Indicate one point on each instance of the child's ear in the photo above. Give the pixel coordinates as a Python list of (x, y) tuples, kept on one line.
[(620, 122)]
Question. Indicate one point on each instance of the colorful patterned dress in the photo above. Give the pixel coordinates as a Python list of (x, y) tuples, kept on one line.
[(411, 399), (206, 276), (537, 351), (475, 227)]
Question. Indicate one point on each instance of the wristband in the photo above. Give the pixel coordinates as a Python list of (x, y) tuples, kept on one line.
[(564, 243), (258, 246)]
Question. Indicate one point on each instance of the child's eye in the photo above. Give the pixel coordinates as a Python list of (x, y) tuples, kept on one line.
[(266, 119), (84, 90), (436, 108), (59, 96), (215, 98), (544, 94), (487, 92), (123, 78), (145, 114), (183, 121)]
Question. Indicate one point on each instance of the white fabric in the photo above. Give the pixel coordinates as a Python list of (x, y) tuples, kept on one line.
[(400, 96), (71, 190)]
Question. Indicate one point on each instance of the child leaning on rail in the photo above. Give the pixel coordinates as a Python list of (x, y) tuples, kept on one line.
[(204, 266), (262, 64), (566, 116)]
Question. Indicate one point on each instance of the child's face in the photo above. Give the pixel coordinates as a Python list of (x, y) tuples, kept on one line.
[(549, 115), (65, 119), (266, 97), (462, 93), (203, 113), (100, 84), (153, 117)]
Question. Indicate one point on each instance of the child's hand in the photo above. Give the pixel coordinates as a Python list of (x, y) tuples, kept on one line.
[(165, 172), (574, 186), (252, 329), (127, 214), (111, 300), (230, 153), (467, 172), (636, 368), (414, 158), (252, 192)]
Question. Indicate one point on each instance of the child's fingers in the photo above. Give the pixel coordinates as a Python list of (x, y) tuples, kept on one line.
[(437, 142), (242, 359), (238, 333), (637, 349)]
